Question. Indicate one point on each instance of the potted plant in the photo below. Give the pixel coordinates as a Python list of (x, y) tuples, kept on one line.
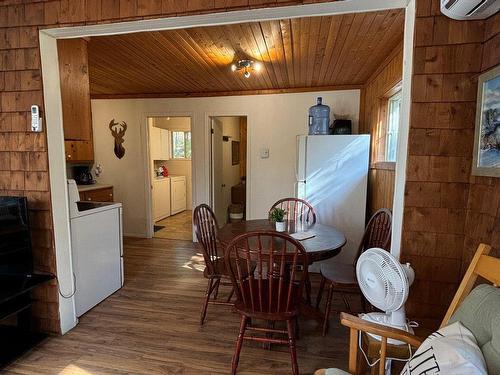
[(278, 216)]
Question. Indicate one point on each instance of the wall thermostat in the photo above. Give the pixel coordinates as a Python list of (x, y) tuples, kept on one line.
[(36, 120)]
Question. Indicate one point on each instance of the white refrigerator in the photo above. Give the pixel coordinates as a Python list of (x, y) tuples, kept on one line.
[(332, 175)]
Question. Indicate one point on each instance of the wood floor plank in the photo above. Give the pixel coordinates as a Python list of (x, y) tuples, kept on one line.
[(151, 326)]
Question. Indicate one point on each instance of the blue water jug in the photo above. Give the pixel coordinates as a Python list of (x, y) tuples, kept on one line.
[(319, 118)]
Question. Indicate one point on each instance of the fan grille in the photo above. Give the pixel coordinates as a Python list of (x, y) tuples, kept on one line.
[(382, 279)]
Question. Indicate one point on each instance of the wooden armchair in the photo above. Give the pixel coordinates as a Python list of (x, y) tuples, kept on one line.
[(482, 265)]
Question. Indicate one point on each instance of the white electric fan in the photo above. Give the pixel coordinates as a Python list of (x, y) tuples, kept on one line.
[(386, 284)]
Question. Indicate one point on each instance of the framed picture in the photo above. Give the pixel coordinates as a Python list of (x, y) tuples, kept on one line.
[(486, 158), (235, 152)]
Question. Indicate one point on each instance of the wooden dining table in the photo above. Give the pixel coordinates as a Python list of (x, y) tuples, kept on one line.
[(325, 243)]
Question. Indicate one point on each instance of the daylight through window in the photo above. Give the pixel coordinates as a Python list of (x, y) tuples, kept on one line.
[(393, 121), (181, 145)]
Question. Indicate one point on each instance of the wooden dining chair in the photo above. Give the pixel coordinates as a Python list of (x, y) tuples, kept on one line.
[(342, 277), (299, 211), (205, 225), (271, 291), (296, 209)]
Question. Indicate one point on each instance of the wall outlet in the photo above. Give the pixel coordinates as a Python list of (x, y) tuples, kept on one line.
[(264, 153)]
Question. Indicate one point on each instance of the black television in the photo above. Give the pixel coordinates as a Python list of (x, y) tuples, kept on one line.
[(16, 257)]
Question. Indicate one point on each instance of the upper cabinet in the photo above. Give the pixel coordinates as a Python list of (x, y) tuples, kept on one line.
[(159, 143), (75, 98)]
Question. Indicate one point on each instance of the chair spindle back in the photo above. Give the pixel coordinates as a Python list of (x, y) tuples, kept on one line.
[(205, 226), (263, 269), (378, 232), (296, 209)]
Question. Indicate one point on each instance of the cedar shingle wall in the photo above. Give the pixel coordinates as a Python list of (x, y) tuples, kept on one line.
[(483, 208), (445, 207), (23, 155)]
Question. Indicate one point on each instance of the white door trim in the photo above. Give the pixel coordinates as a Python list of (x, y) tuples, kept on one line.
[(225, 18)]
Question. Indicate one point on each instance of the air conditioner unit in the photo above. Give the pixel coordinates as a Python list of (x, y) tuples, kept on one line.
[(469, 9)]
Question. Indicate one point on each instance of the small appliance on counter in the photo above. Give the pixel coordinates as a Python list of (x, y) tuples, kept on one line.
[(162, 171), (83, 176)]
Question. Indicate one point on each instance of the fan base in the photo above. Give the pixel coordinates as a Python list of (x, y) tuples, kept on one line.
[(385, 319)]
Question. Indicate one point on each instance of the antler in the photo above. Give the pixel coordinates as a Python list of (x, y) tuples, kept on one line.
[(117, 132), (112, 124), (124, 127)]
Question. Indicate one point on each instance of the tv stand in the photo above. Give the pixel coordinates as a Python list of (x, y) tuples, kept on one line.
[(15, 299)]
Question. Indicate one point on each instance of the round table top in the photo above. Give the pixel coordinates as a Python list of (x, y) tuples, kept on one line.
[(326, 243)]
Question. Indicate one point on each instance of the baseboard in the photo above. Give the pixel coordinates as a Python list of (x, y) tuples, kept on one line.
[(135, 235)]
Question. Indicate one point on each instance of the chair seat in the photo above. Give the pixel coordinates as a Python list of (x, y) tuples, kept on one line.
[(341, 275), (220, 269), (265, 308)]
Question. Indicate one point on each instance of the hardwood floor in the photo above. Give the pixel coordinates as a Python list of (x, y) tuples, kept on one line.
[(151, 326), (177, 227)]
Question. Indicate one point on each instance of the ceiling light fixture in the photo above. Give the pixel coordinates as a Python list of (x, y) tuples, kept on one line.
[(246, 66)]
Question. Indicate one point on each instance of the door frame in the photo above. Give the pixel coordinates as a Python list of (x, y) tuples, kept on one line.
[(208, 119), (53, 108), (149, 173)]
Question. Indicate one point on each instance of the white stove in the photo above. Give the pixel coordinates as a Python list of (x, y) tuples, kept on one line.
[(97, 249)]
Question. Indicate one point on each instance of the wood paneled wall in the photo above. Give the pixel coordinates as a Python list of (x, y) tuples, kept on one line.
[(374, 101), (437, 221), (373, 118), (23, 155)]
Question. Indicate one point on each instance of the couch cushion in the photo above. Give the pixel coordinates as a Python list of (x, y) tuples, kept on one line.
[(480, 313), (451, 350), (335, 371)]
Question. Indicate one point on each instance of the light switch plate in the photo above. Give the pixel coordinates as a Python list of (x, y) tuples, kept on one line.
[(264, 153)]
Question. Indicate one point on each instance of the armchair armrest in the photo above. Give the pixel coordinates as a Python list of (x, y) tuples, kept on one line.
[(359, 324), (356, 324)]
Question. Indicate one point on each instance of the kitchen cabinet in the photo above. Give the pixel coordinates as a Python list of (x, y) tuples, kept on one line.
[(178, 194), (159, 143), (75, 100), (97, 195), (79, 151), (161, 198)]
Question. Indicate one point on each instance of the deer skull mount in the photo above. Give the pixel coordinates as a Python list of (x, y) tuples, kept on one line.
[(118, 131)]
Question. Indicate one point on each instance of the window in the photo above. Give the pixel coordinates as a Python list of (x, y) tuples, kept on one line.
[(181, 145), (393, 120)]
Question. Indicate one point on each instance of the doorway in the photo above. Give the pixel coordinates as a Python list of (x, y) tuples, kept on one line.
[(229, 168), (171, 174)]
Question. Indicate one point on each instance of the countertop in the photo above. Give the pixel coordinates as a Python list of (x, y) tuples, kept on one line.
[(166, 178), (161, 178), (93, 187)]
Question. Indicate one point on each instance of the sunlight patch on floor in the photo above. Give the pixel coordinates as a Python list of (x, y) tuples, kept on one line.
[(74, 370), (195, 263)]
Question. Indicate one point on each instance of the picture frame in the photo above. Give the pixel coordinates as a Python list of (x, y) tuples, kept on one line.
[(486, 157), (235, 152)]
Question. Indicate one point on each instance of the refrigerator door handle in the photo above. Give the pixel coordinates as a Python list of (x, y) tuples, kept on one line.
[(300, 165)]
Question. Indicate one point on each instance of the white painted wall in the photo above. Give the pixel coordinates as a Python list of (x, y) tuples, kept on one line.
[(273, 122)]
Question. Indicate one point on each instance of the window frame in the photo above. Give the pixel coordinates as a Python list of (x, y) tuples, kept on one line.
[(392, 131), (172, 142)]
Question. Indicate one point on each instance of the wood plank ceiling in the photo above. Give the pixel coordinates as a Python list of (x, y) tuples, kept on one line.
[(296, 54)]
